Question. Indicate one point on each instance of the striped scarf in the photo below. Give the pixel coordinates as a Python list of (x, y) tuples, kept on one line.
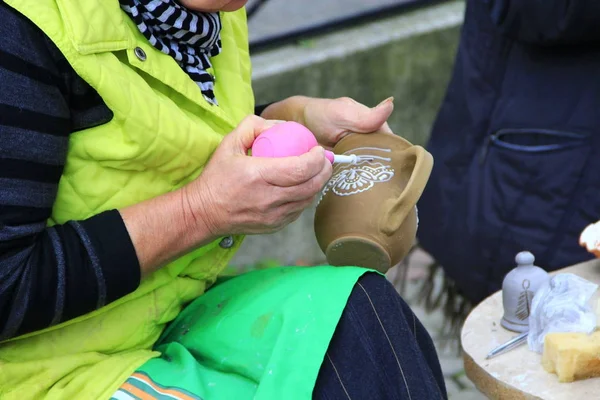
[(190, 38)]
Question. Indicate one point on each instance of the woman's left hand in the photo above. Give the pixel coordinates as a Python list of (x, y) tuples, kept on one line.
[(332, 119)]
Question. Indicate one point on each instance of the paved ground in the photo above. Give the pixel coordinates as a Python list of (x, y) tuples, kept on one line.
[(458, 385), (278, 16)]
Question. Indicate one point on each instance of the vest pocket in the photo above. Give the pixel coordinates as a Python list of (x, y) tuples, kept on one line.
[(528, 179)]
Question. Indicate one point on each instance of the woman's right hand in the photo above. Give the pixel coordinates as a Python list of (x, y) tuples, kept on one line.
[(238, 194), (235, 194)]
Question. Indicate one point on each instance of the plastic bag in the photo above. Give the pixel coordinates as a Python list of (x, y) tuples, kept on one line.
[(561, 305)]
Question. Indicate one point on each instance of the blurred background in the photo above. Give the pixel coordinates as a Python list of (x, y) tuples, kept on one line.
[(272, 20), (368, 50)]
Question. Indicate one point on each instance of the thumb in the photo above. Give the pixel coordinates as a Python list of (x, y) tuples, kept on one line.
[(292, 171), (240, 140), (366, 119)]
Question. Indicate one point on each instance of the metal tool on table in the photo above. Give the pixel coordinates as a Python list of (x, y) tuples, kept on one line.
[(511, 344)]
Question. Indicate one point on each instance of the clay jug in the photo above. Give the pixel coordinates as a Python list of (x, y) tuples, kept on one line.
[(366, 215)]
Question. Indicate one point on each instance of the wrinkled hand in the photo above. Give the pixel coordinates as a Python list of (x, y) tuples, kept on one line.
[(332, 119), (239, 194)]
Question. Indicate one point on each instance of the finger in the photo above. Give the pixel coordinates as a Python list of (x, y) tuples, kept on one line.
[(386, 128), (291, 171), (362, 119), (285, 214), (294, 217), (294, 209), (308, 190), (240, 140)]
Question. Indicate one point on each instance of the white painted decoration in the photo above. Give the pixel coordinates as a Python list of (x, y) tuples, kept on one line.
[(349, 179)]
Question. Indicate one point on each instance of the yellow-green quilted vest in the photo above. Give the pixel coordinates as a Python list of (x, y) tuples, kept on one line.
[(162, 134)]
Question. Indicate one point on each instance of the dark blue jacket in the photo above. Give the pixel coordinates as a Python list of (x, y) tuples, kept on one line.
[(516, 142)]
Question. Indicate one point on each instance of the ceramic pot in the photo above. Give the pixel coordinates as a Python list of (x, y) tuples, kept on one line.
[(518, 288), (367, 214)]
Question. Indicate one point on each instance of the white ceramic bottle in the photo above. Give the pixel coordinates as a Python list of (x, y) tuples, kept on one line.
[(518, 288)]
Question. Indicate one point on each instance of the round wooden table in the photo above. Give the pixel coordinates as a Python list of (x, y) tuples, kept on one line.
[(518, 373)]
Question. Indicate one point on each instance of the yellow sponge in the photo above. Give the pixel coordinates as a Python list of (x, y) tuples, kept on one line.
[(572, 356)]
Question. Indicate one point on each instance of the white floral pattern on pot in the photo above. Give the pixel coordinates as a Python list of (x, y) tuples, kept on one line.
[(349, 179)]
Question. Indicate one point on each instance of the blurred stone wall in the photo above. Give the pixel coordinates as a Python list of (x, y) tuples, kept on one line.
[(409, 57)]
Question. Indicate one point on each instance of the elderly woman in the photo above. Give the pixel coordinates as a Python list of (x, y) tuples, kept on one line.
[(126, 188)]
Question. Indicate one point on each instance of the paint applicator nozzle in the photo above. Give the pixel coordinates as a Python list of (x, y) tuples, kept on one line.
[(345, 159)]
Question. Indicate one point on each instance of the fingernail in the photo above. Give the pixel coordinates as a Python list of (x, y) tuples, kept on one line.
[(386, 101)]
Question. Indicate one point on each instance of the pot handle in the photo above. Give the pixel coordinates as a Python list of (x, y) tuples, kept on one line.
[(397, 209)]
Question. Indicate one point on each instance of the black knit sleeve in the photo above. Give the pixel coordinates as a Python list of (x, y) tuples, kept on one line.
[(47, 275)]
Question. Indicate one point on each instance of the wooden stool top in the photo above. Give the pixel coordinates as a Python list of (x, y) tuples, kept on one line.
[(518, 373)]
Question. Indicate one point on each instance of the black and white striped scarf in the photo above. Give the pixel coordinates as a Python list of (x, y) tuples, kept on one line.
[(190, 38)]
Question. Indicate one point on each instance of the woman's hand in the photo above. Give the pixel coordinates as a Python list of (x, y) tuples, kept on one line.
[(241, 194), (332, 119), (234, 194)]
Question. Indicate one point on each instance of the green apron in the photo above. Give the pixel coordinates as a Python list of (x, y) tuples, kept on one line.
[(262, 335)]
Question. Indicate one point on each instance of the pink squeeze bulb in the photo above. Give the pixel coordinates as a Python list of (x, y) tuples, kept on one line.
[(289, 139)]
